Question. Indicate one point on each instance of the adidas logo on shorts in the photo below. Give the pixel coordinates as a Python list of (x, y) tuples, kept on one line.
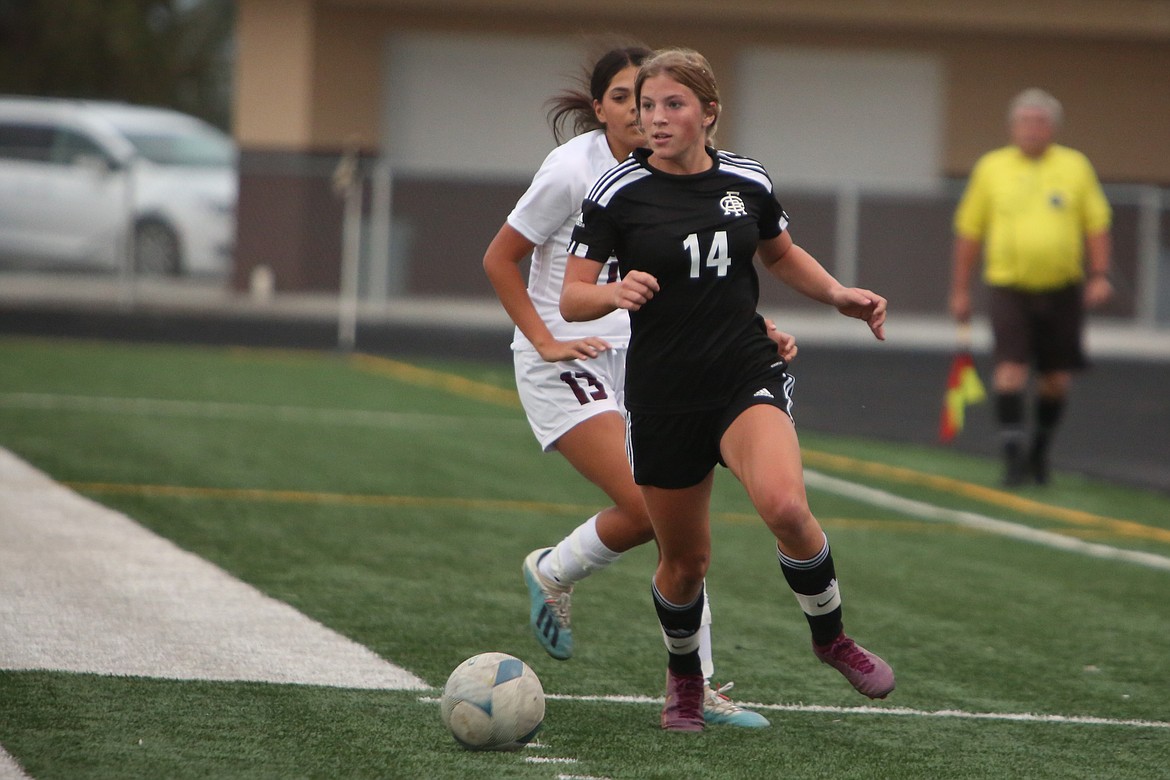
[(763, 392)]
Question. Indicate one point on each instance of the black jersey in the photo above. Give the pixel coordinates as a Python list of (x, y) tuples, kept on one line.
[(700, 337)]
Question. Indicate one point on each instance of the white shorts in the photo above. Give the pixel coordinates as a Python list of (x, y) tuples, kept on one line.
[(559, 396)]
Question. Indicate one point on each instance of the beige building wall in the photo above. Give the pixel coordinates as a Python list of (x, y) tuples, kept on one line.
[(274, 79), (309, 85), (308, 71)]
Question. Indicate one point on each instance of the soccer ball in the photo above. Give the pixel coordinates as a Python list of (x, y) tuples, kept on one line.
[(493, 701)]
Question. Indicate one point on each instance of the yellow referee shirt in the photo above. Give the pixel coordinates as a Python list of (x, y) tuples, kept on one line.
[(1032, 216)]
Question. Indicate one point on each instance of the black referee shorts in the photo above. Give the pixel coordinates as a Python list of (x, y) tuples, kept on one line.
[(678, 450), (1043, 329)]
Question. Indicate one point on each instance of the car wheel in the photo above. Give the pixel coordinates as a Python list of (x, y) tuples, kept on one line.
[(156, 249)]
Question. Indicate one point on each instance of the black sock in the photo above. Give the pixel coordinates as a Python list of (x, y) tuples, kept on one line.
[(1009, 413), (1048, 414), (680, 631), (814, 582)]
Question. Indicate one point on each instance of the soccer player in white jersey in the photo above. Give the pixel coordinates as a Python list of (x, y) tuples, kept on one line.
[(703, 385), (570, 376)]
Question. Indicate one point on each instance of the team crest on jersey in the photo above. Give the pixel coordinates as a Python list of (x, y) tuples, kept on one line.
[(732, 205)]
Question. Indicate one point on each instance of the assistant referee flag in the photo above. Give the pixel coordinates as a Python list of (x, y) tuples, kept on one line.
[(963, 389)]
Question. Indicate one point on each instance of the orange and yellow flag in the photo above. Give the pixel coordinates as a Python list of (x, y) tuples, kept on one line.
[(963, 389)]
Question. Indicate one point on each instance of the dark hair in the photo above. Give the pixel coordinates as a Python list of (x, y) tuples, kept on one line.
[(574, 107)]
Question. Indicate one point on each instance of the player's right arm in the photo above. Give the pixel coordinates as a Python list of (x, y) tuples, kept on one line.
[(501, 263), (582, 298)]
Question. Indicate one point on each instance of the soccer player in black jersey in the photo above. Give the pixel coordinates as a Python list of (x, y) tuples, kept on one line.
[(703, 382)]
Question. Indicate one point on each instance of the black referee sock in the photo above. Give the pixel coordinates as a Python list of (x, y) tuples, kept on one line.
[(680, 631), (1048, 414), (814, 583), (1009, 413)]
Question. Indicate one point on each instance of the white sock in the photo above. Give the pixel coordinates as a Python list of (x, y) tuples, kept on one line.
[(705, 639), (577, 555)]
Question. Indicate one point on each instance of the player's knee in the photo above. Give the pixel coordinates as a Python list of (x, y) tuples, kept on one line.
[(786, 515), (687, 570)]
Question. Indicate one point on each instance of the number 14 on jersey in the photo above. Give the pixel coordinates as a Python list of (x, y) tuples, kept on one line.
[(718, 256)]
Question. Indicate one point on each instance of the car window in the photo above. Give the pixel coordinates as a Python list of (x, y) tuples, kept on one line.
[(196, 148), (69, 146), (22, 141)]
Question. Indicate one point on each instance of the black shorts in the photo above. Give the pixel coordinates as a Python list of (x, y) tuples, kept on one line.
[(1043, 329), (678, 450)]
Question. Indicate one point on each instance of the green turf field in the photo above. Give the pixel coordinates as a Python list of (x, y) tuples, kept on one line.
[(393, 503)]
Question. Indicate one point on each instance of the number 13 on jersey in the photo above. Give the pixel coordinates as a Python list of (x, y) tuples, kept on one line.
[(718, 256)]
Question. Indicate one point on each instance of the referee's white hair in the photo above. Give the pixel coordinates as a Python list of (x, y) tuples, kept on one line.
[(1034, 97)]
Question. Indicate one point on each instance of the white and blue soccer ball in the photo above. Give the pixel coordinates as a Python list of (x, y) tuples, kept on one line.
[(493, 701)]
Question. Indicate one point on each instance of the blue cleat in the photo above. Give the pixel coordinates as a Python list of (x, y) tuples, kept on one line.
[(718, 710), (549, 612)]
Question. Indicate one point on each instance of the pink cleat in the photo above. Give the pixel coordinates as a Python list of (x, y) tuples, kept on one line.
[(866, 672), (684, 702)]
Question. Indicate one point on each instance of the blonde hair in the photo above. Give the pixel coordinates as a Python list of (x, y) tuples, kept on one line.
[(689, 68), (1034, 97)]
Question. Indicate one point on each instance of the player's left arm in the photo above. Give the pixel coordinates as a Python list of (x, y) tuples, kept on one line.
[(794, 266), (785, 342), (1098, 288)]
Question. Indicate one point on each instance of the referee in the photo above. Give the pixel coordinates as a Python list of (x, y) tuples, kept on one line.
[(1031, 209)]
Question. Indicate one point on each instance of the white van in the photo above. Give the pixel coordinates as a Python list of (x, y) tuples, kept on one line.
[(75, 174)]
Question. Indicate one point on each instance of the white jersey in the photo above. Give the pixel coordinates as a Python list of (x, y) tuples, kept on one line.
[(545, 215)]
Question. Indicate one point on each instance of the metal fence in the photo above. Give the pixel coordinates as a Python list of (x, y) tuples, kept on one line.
[(426, 237)]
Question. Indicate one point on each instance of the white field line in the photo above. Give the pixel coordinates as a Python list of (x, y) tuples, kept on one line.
[(1018, 717), (548, 760), (925, 511), (821, 709), (86, 589), (9, 768)]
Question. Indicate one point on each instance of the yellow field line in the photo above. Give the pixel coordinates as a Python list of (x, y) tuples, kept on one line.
[(260, 495), (839, 463), (477, 504), (310, 497), (481, 391), (440, 380)]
